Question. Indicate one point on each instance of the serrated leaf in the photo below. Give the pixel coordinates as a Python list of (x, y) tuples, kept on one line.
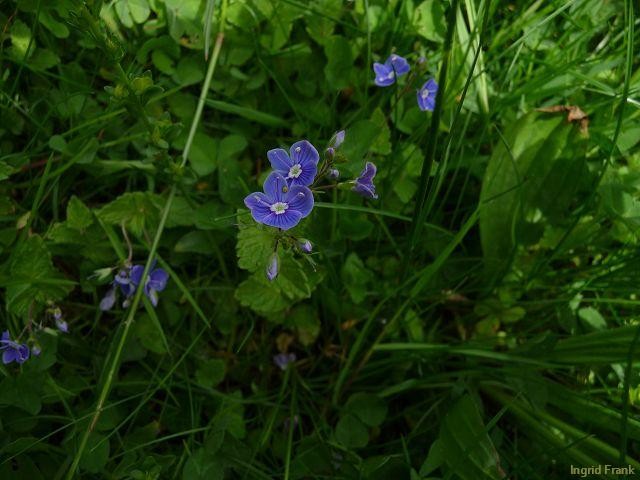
[(79, 216), (136, 210)]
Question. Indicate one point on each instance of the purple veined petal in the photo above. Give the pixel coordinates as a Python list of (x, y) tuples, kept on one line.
[(368, 173), (366, 190), (109, 300), (385, 75), (300, 199), (258, 204), (289, 219), (158, 279), (275, 187), (22, 353), (303, 153), (9, 355), (279, 159), (136, 274), (431, 85), (302, 175), (400, 64)]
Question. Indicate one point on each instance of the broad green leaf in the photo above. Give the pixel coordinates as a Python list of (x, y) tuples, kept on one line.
[(255, 243), (369, 408), (351, 432), (210, 372), (429, 20), (468, 450), (203, 466), (356, 277), (96, 453), (136, 210), (78, 214), (339, 62), (592, 318), (203, 155), (149, 334)]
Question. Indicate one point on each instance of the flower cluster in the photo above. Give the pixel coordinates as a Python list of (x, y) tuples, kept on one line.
[(127, 281), (395, 66), (287, 195)]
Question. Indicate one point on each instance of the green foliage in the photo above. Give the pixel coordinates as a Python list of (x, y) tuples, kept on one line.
[(497, 340)]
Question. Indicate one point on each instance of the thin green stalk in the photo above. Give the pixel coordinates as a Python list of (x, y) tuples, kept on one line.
[(419, 211), (113, 369)]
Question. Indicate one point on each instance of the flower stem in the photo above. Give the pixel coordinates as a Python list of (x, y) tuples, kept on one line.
[(115, 362)]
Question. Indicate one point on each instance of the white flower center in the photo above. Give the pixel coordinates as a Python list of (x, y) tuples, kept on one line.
[(298, 149), (295, 171), (279, 208), (391, 74), (424, 94)]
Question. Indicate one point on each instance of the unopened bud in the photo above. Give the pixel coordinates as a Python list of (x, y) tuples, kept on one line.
[(273, 267)]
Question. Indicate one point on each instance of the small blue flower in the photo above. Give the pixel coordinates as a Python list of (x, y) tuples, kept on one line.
[(282, 360), (156, 281), (387, 72), (300, 166), (281, 205), (273, 267), (123, 280), (364, 183), (427, 95), (13, 351), (305, 245)]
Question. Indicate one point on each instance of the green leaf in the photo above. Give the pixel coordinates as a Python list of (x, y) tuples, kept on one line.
[(255, 243), (23, 391), (257, 293), (32, 277), (429, 20), (356, 277), (203, 466), (20, 38), (150, 334), (369, 408), (339, 62), (78, 214), (231, 178), (351, 432), (136, 210), (210, 372), (96, 453), (468, 450), (592, 318), (203, 154)]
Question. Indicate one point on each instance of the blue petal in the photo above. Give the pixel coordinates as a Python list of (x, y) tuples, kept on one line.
[(300, 199), (303, 153), (275, 187), (368, 173), (280, 160), (366, 190), (307, 175), (136, 274), (259, 205), (285, 221), (400, 64), (382, 75), (153, 296), (9, 356), (22, 353), (158, 279), (431, 85)]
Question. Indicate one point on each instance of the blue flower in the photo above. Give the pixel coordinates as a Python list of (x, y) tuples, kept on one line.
[(282, 360), (387, 72), (273, 267), (13, 351), (300, 166), (156, 281), (364, 183), (281, 205), (61, 324), (123, 280), (427, 95)]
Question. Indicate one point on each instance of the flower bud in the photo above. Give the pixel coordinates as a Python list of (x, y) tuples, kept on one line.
[(305, 245), (333, 174), (338, 138), (273, 267), (330, 152)]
